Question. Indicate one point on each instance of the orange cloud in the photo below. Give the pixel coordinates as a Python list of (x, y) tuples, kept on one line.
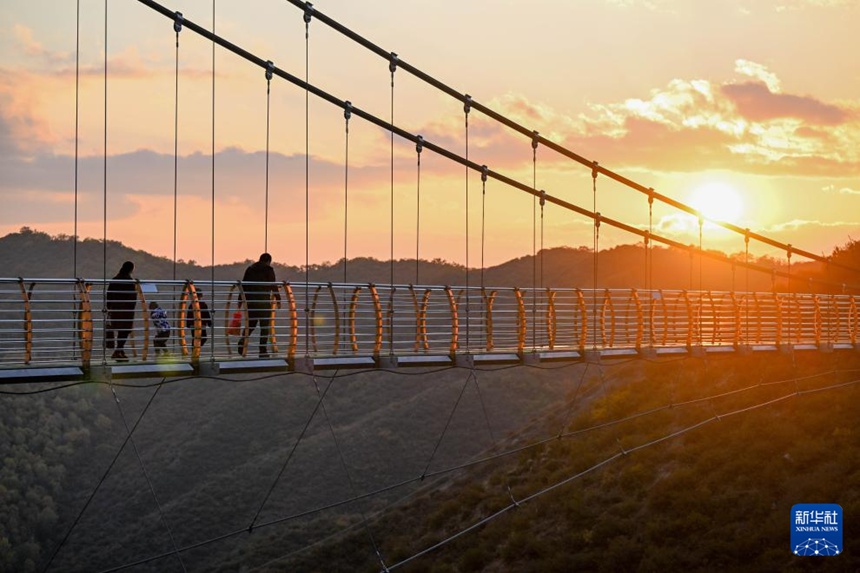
[(755, 101), (32, 47), (693, 125), (689, 125)]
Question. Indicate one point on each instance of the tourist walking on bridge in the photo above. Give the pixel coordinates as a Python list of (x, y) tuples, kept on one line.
[(119, 305), (259, 292)]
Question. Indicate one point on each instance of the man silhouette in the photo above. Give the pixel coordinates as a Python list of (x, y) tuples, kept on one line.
[(119, 304), (261, 287)]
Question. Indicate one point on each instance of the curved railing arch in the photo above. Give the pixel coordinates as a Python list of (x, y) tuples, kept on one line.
[(348, 320)]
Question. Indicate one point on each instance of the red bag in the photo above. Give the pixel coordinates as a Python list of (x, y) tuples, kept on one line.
[(235, 327)]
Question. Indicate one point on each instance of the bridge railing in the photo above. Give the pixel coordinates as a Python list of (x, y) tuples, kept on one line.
[(62, 321)]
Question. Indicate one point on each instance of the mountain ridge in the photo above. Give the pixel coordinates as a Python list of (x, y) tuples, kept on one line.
[(34, 254)]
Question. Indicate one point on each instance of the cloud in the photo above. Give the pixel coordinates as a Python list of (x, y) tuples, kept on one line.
[(698, 124), (32, 47), (759, 72), (48, 180), (789, 5), (799, 224), (841, 190), (756, 102), (22, 131), (688, 125), (653, 5), (126, 64)]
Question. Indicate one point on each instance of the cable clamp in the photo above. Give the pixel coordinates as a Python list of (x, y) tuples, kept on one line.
[(647, 237), (392, 62), (178, 20), (747, 236), (650, 195), (467, 104), (788, 251), (309, 11), (484, 172), (597, 219), (535, 136), (270, 68), (347, 110), (419, 144), (594, 169), (542, 198)]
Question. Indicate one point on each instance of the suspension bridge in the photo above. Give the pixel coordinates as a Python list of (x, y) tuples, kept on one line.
[(56, 328)]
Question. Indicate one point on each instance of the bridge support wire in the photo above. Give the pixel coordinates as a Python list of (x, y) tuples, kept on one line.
[(551, 145), (595, 253), (77, 130), (212, 198), (467, 106), (307, 16), (129, 433), (534, 240), (104, 187), (347, 114), (177, 27), (448, 422), (419, 147), (388, 126), (269, 67), (146, 474), (392, 67), (290, 454), (364, 521)]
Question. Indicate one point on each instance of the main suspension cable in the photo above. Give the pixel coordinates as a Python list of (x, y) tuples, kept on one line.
[(388, 126), (430, 80)]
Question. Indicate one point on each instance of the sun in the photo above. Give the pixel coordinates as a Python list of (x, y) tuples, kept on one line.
[(717, 201)]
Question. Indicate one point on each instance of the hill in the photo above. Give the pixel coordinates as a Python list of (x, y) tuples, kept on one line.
[(686, 466), (34, 254), (705, 459), (213, 448)]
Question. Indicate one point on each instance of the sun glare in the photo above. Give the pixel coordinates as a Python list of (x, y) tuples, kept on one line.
[(718, 201)]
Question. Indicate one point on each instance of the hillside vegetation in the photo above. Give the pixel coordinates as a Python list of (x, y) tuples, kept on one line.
[(213, 448), (715, 494)]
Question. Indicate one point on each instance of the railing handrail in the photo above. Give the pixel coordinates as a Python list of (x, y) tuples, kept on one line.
[(374, 319)]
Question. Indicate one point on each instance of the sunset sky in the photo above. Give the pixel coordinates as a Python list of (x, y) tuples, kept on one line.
[(754, 102)]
